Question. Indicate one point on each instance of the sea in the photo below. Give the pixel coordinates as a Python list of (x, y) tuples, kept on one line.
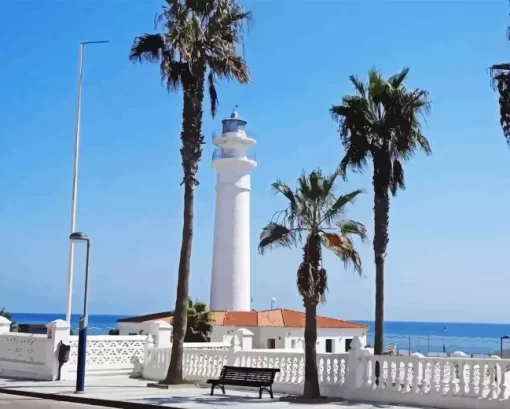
[(423, 337)]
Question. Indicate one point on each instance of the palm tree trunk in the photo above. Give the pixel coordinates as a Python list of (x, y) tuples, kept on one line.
[(191, 152), (381, 222), (174, 374), (311, 388)]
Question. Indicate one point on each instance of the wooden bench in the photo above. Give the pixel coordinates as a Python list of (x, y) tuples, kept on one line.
[(262, 378)]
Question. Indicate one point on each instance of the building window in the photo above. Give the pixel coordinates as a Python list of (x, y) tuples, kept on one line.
[(329, 346), (293, 344), (271, 343), (348, 344)]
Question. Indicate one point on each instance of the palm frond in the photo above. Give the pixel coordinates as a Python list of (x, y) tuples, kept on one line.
[(276, 235), (338, 206), (500, 74), (148, 47), (397, 79), (353, 228), (343, 248), (285, 190), (230, 67), (213, 95)]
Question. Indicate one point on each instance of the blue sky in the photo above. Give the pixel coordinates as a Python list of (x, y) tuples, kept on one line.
[(447, 257)]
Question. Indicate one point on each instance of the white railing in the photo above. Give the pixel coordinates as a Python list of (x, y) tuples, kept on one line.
[(200, 364), (454, 382), (109, 355)]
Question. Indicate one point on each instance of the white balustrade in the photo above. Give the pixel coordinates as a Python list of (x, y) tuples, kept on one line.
[(453, 382), (109, 355)]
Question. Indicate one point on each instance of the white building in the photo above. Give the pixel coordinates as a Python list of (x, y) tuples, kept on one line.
[(272, 329)]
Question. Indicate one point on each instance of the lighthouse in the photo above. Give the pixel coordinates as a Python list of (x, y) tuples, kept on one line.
[(230, 278)]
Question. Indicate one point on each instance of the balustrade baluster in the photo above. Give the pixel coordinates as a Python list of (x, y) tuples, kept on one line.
[(403, 382), (472, 379), (434, 375), (301, 369), (295, 367), (367, 373), (408, 385), (288, 370), (418, 375), (375, 365), (336, 369), (320, 370), (383, 375), (454, 378), (444, 379), (462, 377), (483, 378), (494, 387), (503, 388)]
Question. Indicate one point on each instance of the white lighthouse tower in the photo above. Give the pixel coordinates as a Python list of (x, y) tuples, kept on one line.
[(230, 281)]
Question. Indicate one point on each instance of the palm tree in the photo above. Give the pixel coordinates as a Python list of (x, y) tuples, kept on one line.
[(315, 212), (198, 41), (199, 322), (6, 314), (381, 124)]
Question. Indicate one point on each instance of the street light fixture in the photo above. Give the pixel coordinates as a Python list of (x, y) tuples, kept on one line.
[(82, 333), (503, 338), (70, 268)]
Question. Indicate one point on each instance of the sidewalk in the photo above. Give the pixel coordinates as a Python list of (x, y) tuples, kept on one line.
[(128, 393)]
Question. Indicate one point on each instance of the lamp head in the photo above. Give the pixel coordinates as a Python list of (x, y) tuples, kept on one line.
[(505, 337), (78, 236)]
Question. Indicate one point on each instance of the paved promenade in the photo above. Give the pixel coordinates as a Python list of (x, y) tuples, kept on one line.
[(23, 402), (123, 392)]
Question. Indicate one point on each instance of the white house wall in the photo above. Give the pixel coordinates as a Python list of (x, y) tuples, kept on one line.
[(284, 337), (129, 328)]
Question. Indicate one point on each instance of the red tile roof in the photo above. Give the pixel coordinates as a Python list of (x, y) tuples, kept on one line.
[(271, 318)]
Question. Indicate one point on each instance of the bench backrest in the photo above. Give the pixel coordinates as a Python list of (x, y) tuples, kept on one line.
[(239, 373)]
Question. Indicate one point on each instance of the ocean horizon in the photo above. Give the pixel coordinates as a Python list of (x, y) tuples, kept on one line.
[(421, 336)]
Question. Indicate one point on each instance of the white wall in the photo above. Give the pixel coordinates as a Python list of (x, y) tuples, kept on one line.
[(284, 337), (127, 328)]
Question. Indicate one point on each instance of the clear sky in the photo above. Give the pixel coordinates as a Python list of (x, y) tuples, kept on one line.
[(448, 253)]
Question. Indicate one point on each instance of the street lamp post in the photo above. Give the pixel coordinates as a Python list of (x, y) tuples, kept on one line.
[(82, 333), (503, 338), (70, 268)]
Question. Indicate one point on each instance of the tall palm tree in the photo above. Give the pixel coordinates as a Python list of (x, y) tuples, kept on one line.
[(199, 41), (199, 322), (314, 213), (381, 124)]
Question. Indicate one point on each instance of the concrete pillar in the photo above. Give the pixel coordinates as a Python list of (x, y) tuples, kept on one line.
[(56, 332), (161, 332)]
